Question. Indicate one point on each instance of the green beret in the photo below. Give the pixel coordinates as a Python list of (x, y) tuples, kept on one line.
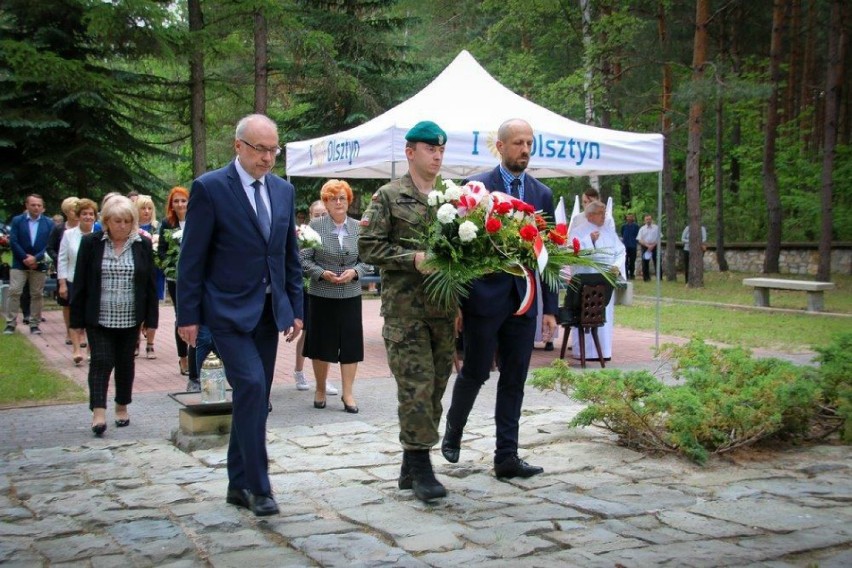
[(428, 132)]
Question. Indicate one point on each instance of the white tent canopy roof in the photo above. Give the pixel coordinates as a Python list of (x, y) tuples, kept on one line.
[(469, 104)]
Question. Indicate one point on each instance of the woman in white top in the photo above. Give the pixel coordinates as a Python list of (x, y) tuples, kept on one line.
[(87, 213)]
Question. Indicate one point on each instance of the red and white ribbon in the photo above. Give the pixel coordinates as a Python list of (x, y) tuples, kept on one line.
[(529, 295)]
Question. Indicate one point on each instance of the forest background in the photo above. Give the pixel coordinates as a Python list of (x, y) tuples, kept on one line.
[(120, 95)]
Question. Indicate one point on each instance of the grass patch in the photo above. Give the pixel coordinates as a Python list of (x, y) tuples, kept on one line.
[(741, 327), (26, 379), (744, 328), (727, 288)]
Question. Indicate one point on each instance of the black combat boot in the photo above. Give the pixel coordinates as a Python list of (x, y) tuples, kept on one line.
[(451, 444), (405, 472), (423, 481)]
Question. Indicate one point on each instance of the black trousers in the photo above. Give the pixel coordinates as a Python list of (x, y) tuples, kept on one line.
[(182, 347), (647, 263), (512, 338), (630, 262), (112, 349)]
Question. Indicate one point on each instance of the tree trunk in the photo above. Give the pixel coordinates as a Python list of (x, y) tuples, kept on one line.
[(770, 178), (808, 81), (736, 128), (588, 80), (794, 62), (626, 193), (693, 148), (836, 43), (261, 71), (720, 181), (197, 110), (669, 263)]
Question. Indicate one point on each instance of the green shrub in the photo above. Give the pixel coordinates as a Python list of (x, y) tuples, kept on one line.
[(835, 375), (725, 399)]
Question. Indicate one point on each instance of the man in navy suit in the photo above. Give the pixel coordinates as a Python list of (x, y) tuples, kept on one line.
[(28, 238), (239, 274), (490, 321)]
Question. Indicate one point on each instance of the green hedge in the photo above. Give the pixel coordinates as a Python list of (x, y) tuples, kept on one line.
[(724, 399)]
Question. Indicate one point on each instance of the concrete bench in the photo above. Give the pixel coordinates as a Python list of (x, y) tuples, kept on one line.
[(762, 286)]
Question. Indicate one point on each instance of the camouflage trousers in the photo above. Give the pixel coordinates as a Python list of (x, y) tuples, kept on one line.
[(420, 356)]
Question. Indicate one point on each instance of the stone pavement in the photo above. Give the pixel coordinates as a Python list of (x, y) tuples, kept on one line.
[(132, 498)]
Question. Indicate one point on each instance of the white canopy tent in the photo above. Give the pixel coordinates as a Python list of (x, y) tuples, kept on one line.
[(469, 104)]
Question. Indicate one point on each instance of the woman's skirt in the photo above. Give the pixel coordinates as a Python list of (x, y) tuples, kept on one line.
[(335, 332)]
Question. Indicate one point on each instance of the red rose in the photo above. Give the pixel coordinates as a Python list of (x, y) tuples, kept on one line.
[(557, 238), (503, 208), (493, 225), (528, 232), (562, 229), (576, 244)]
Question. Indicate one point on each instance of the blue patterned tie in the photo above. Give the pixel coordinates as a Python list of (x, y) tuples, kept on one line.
[(515, 186), (262, 213)]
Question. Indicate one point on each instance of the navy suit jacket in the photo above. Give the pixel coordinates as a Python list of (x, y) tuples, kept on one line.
[(225, 263), (22, 245), (487, 293)]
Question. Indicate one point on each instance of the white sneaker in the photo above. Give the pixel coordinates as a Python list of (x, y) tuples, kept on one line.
[(330, 388), (301, 381)]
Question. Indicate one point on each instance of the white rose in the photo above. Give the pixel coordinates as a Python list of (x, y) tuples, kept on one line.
[(453, 192), (447, 213), (177, 234), (433, 198), (467, 231)]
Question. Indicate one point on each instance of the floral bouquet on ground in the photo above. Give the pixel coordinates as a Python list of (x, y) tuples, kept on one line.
[(472, 232), (308, 238), (169, 264)]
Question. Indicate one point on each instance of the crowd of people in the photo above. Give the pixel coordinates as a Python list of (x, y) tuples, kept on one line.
[(228, 254)]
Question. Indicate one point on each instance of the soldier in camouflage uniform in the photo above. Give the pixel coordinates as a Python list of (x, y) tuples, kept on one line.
[(419, 336)]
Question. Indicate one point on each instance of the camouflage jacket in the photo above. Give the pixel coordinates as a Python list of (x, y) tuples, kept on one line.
[(390, 229)]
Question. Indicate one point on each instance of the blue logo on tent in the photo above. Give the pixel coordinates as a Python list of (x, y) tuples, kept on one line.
[(556, 148), (334, 151)]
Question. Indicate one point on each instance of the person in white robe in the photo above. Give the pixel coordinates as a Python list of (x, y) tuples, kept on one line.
[(601, 236)]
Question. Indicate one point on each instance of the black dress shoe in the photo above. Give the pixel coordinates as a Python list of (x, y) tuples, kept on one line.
[(350, 408), (451, 444), (239, 497), (548, 346), (514, 466), (98, 429), (263, 505)]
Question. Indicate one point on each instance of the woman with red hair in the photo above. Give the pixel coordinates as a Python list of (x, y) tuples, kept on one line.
[(170, 233), (335, 332)]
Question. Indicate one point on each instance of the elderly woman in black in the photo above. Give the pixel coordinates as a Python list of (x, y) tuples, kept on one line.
[(114, 294), (335, 333)]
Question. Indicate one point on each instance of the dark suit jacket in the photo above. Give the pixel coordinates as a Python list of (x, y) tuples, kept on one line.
[(487, 293), (86, 301), (22, 245), (225, 263)]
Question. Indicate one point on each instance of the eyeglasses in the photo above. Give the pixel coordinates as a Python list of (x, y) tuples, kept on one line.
[(338, 199), (276, 151)]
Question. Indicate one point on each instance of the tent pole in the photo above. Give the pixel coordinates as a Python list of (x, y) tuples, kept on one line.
[(658, 263)]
